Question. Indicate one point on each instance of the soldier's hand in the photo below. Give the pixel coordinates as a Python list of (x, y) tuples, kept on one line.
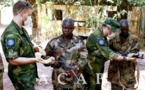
[(38, 56), (130, 59), (69, 72), (47, 61), (130, 55), (56, 64), (76, 67), (133, 59), (40, 49)]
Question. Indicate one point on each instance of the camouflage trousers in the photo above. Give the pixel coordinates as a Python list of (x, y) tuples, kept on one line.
[(117, 87), (90, 75), (91, 84), (20, 86), (58, 88)]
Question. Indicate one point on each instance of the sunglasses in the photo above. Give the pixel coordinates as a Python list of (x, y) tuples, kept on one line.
[(27, 4)]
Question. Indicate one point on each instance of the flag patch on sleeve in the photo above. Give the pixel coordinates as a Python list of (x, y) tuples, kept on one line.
[(101, 41), (10, 42)]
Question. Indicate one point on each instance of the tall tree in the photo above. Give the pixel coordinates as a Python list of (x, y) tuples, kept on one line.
[(34, 17)]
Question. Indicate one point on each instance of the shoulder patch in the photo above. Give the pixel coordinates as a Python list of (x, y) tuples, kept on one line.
[(101, 41), (10, 42)]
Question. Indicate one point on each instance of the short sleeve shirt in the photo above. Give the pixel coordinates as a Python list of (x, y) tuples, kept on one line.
[(16, 43)]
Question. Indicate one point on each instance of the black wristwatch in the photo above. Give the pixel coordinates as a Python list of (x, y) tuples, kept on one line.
[(124, 58)]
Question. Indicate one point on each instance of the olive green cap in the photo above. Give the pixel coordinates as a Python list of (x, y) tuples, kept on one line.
[(112, 23)]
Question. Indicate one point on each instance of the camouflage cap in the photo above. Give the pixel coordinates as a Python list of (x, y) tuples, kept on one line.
[(112, 23)]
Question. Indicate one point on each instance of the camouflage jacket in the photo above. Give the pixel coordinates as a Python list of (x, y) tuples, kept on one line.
[(126, 69), (75, 51), (98, 51), (16, 43)]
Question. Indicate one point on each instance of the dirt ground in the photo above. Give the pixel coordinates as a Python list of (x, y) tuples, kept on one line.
[(44, 81)]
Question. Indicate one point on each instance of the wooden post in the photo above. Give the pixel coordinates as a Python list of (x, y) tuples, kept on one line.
[(95, 2)]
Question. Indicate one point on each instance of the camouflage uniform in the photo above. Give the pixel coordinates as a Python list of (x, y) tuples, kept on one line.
[(126, 69), (74, 51), (16, 43), (98, 53)]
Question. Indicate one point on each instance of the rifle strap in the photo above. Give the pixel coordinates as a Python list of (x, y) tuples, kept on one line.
[(137, 83)]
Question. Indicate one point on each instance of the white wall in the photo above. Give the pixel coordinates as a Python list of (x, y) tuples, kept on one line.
[(6, 15)]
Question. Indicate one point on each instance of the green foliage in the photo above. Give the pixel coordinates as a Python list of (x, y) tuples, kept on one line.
[(5, 3), (118, 2), (139, 3), (46, 29), (44, 21), (87, 2), (61, 1), (74, 2), (93, 20), (119, 14)]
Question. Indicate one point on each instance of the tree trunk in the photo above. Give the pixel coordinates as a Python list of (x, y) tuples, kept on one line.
[(35, 20)]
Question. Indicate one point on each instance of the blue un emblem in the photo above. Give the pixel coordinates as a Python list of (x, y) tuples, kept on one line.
[(101, 41), (10, 42)]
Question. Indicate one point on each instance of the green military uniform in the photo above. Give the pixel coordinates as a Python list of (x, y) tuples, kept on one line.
[(16, 43), (126, 69), (98, 53), (75, 51)]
